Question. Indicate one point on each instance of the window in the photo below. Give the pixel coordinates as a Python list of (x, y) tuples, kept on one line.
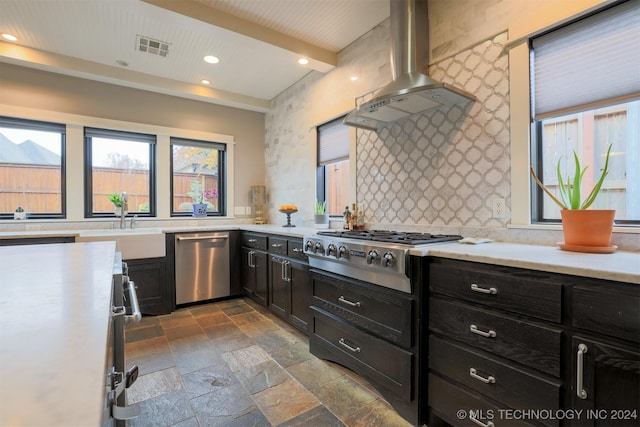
[(333, 166), (197, 176), (585, 91), (32, 168), (119, 162)]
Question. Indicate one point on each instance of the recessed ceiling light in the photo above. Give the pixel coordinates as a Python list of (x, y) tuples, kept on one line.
[(354, 78), (211, 59), (205, 82), (303, 61), (10, 37)]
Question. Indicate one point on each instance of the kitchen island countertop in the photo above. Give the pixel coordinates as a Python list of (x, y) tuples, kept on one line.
[(618, 266), (55, 304)]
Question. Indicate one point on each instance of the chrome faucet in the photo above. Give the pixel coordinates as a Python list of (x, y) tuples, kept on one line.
[(123, 210)]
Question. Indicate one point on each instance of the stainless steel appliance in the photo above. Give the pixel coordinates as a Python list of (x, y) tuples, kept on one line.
[(368, 299), (379, 257), (202, 266), (125, 309)]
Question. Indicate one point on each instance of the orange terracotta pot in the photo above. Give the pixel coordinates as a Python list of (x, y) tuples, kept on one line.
[(588, 227)]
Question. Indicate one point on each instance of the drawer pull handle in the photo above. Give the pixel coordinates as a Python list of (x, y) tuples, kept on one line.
[(480, 423), (276, 245), (488, 380), (475, 330), (580, 391), (344, 344), (297, 250), (346, 301), (252, 240), (490, 291)]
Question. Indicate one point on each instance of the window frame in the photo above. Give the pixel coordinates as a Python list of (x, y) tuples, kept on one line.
[(524, 135), (151, 139), (222, 148), (321, 169), (41, 125)]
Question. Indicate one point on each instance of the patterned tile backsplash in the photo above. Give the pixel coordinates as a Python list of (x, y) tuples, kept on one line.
[(446, 166)]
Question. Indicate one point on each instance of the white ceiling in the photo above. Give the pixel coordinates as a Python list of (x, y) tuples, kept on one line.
[(258, 42)]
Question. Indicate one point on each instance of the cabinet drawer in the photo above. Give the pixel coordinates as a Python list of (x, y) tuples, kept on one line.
[(363, 353), (447, 401), (611, 310), (254, 241), (533, 293), (295, 249), (385, 313), (500, 381), (532, 345), (277, 245)]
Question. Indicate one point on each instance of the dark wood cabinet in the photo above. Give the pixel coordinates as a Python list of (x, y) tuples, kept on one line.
[(254, 274), (505, 338), (609, 380), (150, 278), (289, 281)]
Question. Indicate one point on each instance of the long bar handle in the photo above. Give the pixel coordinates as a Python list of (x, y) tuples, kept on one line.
[(488, 380), (202, 238), (480, 423), (136, 315), (580, 391), (475, 330), (490, 291), (346, 301), (250, 259), (344, 344)]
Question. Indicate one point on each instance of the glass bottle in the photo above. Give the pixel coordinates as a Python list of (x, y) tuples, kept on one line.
[(347, 218)]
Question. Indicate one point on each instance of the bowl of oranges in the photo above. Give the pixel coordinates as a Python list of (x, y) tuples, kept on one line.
[(288, 208)]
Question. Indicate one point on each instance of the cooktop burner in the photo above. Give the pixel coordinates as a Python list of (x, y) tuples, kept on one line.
[(391, 236)]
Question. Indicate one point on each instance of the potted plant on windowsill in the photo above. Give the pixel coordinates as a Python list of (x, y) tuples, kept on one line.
[(199, 196), (19, 213), (116, 199), (585, 230), (321, 217)]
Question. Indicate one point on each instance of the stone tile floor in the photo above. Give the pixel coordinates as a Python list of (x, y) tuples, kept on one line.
[(233, 363)]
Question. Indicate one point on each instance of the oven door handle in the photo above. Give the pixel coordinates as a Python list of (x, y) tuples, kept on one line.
[(136, 315)]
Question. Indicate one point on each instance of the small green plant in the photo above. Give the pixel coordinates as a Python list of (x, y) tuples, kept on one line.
[(116, 199), (570, 191), (320, 208), (19, 209)]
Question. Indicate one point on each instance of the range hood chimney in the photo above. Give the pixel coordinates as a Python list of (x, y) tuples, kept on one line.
[(410, 92)]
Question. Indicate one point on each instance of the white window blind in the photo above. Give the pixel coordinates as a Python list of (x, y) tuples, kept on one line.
[(592, 62), (333, 142)]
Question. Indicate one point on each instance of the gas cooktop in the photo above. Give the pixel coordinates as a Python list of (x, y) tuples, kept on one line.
[(395, 237)]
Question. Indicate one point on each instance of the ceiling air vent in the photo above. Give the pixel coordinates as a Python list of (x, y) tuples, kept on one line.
[(152, 46)]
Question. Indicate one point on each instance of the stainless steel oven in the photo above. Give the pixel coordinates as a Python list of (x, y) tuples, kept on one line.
[(125, 309)]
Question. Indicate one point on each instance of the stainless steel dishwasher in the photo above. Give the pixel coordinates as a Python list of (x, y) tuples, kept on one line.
[(202, 266)]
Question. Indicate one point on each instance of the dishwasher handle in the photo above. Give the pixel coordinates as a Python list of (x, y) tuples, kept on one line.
[(202, 238)]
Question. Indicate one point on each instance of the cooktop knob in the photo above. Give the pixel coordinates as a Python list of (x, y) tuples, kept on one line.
[(342, 252), (373, 257), (388, 260), (309, 246), (318, 247), (332, 250)]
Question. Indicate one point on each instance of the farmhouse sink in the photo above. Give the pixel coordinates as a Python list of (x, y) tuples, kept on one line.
[(138, 243)]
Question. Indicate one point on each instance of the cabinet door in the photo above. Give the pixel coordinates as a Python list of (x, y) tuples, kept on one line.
[(300, 313), (610, 382), (151, 285), (261, 277), (279, 288), (247, 272)]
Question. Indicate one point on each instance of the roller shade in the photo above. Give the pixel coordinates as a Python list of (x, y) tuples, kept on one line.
[(591, 62), (333, 142)]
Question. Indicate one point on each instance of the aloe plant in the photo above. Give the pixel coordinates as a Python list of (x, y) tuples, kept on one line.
[(320, 208), (570, 189)]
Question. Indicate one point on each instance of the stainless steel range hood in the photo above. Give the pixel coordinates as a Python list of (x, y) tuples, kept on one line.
[(410, 92)]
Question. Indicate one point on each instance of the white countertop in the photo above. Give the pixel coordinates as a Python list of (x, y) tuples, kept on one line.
[(55, 302), (618, 266)]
